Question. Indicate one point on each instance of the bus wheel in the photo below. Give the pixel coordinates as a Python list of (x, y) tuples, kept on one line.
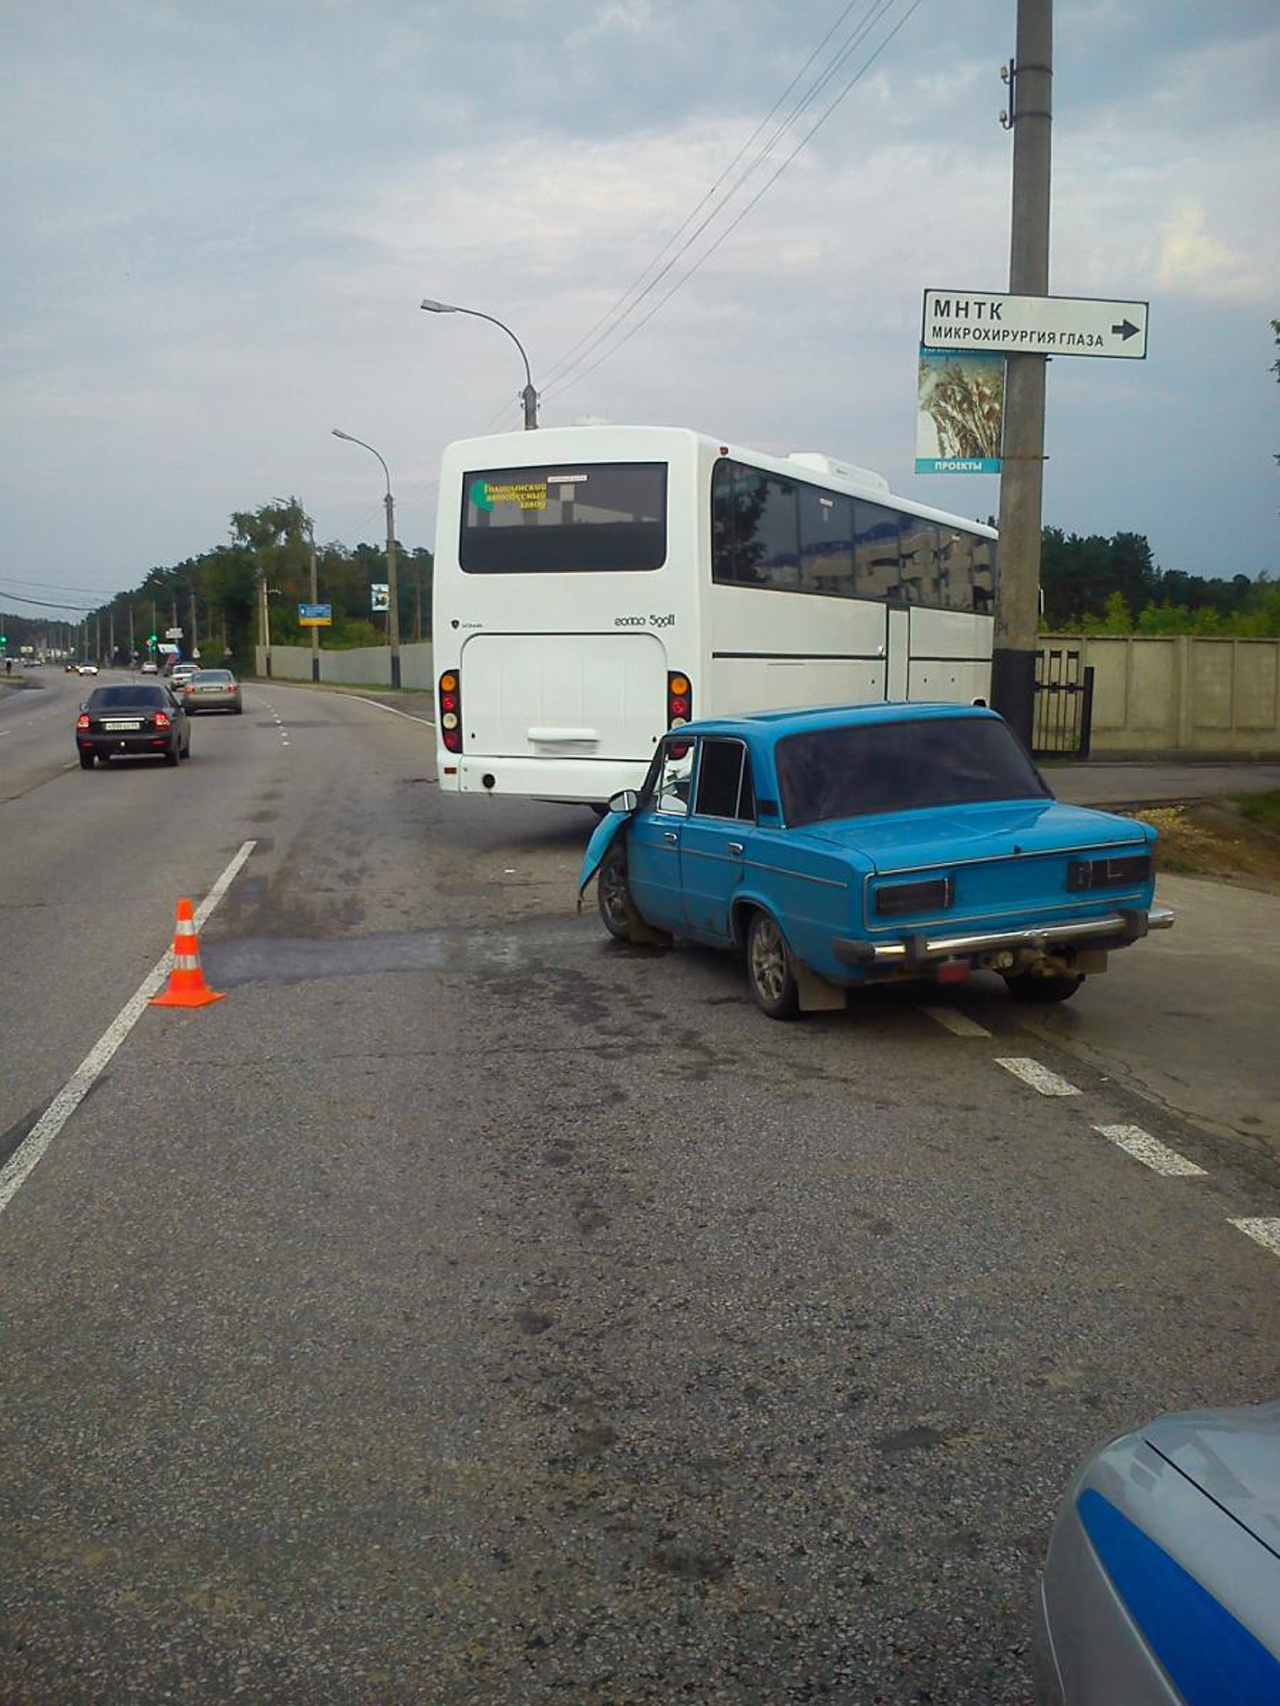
[(613, 896)]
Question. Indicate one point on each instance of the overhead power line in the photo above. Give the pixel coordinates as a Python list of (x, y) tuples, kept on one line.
[(566, 361), (572, 379)]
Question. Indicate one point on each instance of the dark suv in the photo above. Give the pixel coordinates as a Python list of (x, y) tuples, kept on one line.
[(135, 721)]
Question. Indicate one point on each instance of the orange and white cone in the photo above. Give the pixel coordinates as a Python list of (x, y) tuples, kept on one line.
[(187, 987)]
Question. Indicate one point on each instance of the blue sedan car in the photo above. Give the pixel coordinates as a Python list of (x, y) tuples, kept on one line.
[(854, 845)]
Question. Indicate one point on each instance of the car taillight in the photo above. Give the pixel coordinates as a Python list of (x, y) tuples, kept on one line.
[(82, 722), (162, 719), (188, 688), (231, 687), (451, 710), (679, 700)]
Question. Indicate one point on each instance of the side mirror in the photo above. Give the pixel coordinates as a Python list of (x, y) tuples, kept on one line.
[(84, 705), (626, 801)]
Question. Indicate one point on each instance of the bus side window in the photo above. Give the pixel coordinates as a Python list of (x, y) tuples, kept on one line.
[(722, 530), (826, 543)]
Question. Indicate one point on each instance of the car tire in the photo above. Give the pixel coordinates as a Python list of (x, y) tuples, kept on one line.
[(86, 760), (1041, 991), (773, 982), (613, 895), (239, 711), (171, 756)]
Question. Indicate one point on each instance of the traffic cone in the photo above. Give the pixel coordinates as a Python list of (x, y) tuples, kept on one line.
[(187, 987)]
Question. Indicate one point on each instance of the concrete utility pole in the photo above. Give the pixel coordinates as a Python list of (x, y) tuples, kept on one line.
[(195, 635), (132, 650), (1013, 671), (264, 617), (315, 599), (111, 634)]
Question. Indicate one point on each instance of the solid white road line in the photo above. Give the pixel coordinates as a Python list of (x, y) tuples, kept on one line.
[(1264, 1231), (1149, 1150), (1038, 1077), (955, 1022), (23, 1162)]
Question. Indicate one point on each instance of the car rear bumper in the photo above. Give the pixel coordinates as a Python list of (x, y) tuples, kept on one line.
[(139, 745), (1114, 929)]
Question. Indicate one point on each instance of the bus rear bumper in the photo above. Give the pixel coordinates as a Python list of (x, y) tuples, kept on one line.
[(577, 781)]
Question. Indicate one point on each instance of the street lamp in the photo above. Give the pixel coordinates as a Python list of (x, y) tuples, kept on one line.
[(528, 396), (393, 591)]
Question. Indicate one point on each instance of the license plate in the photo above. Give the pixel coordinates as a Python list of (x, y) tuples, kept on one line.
[(115, 726)]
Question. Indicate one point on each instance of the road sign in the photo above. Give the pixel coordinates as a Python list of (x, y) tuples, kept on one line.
[(173, 633), (380, 595), (1034, 325), (315, 616), (167, 650)]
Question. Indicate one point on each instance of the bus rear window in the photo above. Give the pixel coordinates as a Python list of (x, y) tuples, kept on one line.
[(588, 518)]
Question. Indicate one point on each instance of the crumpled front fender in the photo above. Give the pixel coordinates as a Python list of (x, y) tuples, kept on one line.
[(602, 839)]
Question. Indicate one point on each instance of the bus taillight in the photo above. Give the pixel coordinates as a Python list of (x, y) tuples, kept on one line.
[(679, 700), (451, 710)]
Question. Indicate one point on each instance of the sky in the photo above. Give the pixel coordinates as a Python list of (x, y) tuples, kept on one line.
[(219, 223)]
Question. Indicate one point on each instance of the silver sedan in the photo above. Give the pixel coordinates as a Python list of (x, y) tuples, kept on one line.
[(212, 690)]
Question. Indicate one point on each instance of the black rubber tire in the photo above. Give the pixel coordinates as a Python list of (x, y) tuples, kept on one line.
[(171, 757), (86, 760), (185, 751), (239, 711), (773, 983), (613, 895), (1042, 991)]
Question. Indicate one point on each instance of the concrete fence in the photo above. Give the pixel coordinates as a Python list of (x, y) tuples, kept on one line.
[(361, 666), (1181, 694)]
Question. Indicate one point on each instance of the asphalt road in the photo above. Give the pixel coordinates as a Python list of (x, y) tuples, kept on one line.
[(468, 1310)]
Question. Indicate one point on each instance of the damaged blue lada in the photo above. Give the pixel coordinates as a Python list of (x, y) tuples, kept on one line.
[(854, 845)]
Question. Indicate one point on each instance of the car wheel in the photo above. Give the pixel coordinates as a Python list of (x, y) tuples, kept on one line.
[(86, 761), (769, 970), (613, 895), (171, 756), (239, 710), (1042, 990)]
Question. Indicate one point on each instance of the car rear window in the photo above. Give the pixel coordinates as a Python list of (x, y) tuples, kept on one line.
[(212, 675), (103, 697), (856, 769)]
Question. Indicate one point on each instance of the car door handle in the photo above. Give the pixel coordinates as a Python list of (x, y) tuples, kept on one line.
[(735, 847), (670, 835)]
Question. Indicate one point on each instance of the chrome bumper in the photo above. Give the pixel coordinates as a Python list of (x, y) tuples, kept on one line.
[(912, 950)]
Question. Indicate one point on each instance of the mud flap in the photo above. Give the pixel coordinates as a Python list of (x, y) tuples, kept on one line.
[(817, 994)]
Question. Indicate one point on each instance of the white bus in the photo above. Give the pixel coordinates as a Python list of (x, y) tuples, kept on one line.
[(595, 586)]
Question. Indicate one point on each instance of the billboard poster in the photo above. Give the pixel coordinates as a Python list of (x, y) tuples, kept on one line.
[(959, 412)]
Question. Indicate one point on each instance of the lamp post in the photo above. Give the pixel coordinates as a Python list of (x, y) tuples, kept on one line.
[(393, 590), (528, 396), (315, 595)]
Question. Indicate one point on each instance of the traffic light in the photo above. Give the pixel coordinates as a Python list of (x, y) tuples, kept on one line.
[(151, 641)]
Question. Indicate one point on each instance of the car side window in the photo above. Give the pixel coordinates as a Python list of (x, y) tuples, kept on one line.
[(674, 778), (722, 773)]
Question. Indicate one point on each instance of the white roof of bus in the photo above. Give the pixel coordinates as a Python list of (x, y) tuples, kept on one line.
[(558, 444)]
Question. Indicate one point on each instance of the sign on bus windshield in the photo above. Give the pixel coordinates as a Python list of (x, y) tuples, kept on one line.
[(585, 519)]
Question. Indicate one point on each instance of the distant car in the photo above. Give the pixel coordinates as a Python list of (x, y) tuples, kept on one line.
[(212, 690), (86, 669), (150, 667), (70, 669), (848, 846), (135, 720), (181, 673), (1162, 1582)]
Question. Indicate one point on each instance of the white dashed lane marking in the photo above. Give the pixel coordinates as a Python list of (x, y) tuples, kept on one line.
[(1038, 1077), (956, 1023), (1265, 1231), (1149, 1150)]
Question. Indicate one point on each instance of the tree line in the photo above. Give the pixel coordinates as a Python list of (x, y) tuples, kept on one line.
[(220, 589), (1096, 585)]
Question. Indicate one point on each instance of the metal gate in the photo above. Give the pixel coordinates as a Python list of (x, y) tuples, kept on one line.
[(1063, 720)]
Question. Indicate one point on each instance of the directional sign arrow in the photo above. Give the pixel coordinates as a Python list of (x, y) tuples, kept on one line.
[(1126, 329)]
